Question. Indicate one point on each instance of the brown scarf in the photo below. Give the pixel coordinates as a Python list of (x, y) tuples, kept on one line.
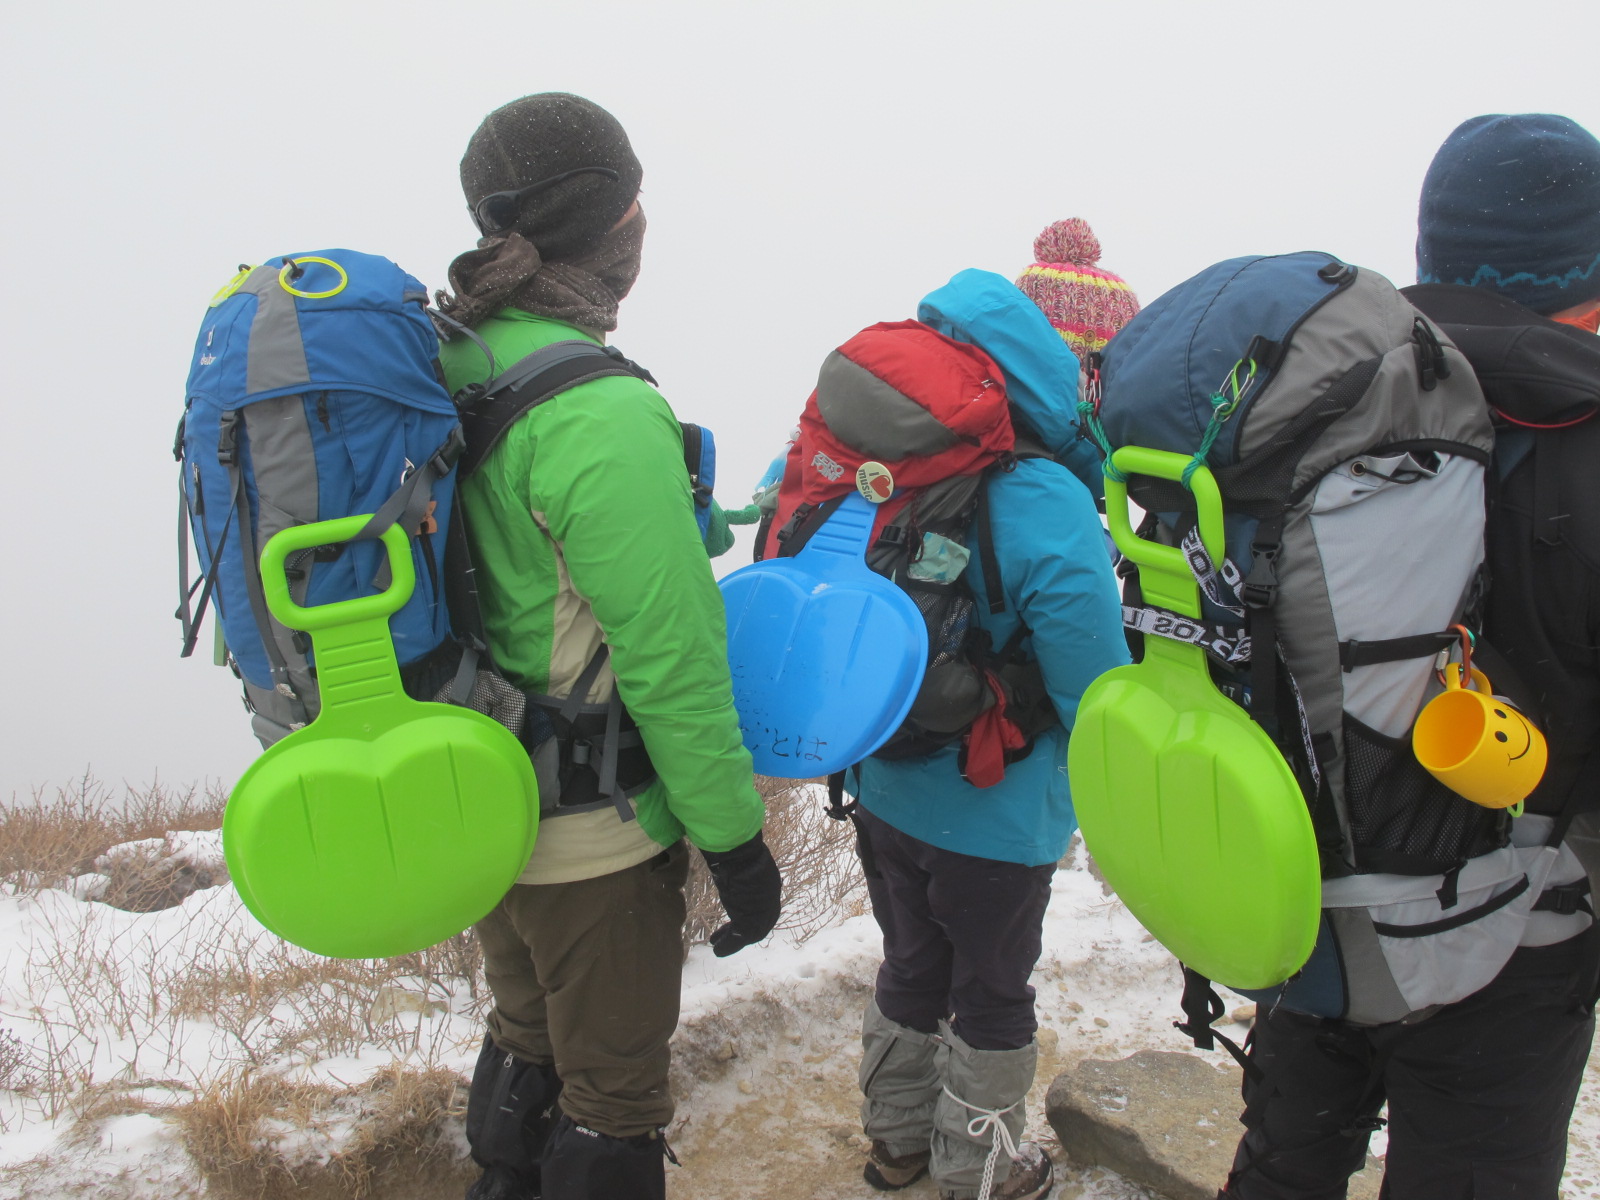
[(506, 269)]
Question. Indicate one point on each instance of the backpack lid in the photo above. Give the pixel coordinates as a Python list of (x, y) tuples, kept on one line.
[(992, 313), (899, 393), (345, 321), (928, 408), (1169, 361)]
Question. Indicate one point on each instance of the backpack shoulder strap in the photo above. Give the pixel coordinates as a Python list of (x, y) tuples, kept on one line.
[(695, 440), (983, 534), (489, 409), (1547, 466)]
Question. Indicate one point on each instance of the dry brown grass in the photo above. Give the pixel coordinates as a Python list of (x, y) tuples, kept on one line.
[(815, 854), (46, 840), (96, 985), (18, 1069), (235, 1130)]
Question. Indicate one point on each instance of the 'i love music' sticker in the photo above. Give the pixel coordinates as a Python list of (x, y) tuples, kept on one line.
[(874, 482)]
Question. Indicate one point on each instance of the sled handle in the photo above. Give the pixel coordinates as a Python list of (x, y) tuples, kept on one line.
[(1162, 464), (847, 532), (275, 582)]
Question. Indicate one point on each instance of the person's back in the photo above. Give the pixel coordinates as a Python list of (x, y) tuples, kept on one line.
[(1480, 1092), (959, 874), (1508, 262), (599, 606)]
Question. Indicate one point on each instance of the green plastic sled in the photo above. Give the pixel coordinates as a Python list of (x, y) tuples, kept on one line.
[(385, 825), (1186, 805)]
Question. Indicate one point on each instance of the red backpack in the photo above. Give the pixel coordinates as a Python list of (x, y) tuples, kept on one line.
[(916, 421)]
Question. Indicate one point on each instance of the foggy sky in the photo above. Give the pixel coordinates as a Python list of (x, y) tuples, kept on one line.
[(809, 169)]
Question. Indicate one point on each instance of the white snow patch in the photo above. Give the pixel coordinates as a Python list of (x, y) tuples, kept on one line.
[(769, 1035)]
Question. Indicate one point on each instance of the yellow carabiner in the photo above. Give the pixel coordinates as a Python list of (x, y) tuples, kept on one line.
[(289, 264), (233, 285)]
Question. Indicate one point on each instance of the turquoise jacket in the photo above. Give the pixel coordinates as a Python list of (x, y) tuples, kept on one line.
[(1057, 578)]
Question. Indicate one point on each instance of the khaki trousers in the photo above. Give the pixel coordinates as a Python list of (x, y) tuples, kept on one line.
[(586, 975)]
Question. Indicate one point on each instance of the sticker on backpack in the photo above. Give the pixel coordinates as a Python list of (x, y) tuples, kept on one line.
[(874, 482)]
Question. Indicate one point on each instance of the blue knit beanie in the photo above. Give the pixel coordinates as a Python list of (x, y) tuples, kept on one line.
[(1512, 204)]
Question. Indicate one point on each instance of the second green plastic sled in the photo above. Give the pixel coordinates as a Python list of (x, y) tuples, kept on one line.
[(385, 825), (1187, 806)]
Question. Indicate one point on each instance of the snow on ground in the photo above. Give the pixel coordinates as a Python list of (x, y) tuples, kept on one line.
[(765, 1058), (781, 1113)]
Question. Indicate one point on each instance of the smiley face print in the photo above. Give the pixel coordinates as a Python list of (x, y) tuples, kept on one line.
[(1510, 729)]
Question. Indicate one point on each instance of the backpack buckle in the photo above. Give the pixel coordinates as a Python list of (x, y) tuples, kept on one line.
[(228, 438), (1261, 585), (892, 535), (446, 456), (1564, 900)]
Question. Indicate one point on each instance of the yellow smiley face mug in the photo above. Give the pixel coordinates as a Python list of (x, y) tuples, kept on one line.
[(1477, 744)]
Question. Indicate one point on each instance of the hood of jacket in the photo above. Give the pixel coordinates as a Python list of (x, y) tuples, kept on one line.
[(992, 313), (1534, 371)]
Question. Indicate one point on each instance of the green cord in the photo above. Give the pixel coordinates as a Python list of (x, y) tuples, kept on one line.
[(1091, 422), (1223, 403), (1213, 427)]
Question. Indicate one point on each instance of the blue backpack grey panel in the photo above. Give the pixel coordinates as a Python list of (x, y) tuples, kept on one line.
[(314, 392)]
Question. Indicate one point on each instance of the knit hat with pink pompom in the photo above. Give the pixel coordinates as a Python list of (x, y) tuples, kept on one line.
[(1085, 303)]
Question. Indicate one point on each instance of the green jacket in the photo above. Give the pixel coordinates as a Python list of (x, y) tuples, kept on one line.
[(583, 526)]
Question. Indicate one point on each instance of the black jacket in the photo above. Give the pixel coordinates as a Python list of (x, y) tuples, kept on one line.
[(1543, 610)]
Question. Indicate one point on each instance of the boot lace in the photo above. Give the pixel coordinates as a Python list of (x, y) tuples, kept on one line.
[(989, 1119)]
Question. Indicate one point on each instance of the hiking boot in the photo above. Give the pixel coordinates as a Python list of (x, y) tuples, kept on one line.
[(888, 1172), (1031, 1178), (499, 1183)]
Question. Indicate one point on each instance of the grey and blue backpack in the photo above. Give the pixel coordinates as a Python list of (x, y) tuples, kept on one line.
[(1350, 440), (315, 392)]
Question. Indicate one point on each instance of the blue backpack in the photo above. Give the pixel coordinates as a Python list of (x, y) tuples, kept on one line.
[(315, 392)]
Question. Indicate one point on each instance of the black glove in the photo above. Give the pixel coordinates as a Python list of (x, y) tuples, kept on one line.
[(748, 885)]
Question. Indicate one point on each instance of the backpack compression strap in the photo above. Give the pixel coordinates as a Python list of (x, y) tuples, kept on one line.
[(1201, 1007), (806, 520)]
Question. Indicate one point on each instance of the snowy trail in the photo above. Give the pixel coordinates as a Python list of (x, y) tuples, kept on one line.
[(765, 1059), (769, 1046)]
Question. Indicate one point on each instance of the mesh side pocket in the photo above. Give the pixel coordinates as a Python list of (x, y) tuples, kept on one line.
[(947, 612), (494, 697), (1403, 820)]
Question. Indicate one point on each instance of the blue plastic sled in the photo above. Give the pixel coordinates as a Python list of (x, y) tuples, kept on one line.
[(826, 655)]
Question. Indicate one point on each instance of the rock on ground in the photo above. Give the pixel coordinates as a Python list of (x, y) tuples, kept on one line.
[(1165, 1120)]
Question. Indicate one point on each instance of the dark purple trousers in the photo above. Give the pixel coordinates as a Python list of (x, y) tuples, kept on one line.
[(960, 936)]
